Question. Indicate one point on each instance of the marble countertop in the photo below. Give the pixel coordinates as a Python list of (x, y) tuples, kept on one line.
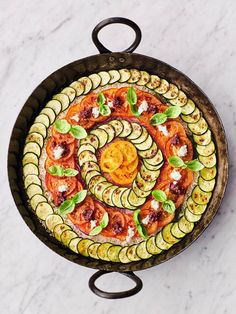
[(198, 38)]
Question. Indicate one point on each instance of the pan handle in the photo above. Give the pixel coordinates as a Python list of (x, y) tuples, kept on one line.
[(119, 20), (115, 295)]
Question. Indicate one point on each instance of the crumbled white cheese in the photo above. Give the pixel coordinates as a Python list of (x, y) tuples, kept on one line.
[(130, 234), (93, 224), (175, 175), (154, 204), (110, 103), (95, 112), (62, 188), (183, 151), (146, 220), (57, 152), (75, 117), (163, 129), (143, 107)]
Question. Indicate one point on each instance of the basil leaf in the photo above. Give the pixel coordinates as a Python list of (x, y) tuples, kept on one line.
[(56, 170), (132, 96), (95, 231), (134, 110), (169, 206), (104, 110), (135, 217), (159, 195), (78, 132), (176, 162), (101, 99), (69, 172), (141, 230), (194, 165), (158, 118), (62, 126), (67, 207), (104, 221), (173, 112), (80, 196)]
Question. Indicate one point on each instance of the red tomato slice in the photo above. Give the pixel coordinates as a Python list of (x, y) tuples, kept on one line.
[(53, 183), (117, 227), (69, 163), (186, 176), (62, 137), (120, 102), (83, 212), (173, 145), (53, 144), (176, 195)]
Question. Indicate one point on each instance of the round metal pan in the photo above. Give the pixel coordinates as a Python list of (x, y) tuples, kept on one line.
[(106, 61)]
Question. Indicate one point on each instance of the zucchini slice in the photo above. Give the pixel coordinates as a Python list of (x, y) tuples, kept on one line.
[(145, 145), (31, 178), (134, 76), (91, 174), (190, 216), (64, 99), (185, 225), (78, 87), (118, 126), (96, 80), (139, 192), (161, 243), (70, 92), (93, 250), (107, 194), (113, 253), (208, 173), (116, 197), (142, 251), (110, 131), (37, 199), (115, 76), (50, 113), (144, 79), (67, 236), (149, 175), (86, 147), (151, 246), (34, 189), (124, 75), (199, 127), (203, 139), (86, 156), (39, 128), (73, 245), (90, 139), (136, 131), (144, 185), (156, 160), (168, 236), (206, 150), (176, 232), (102, 251), (58, 229), (52, 220), (30, 158), (132, 253), (125, 202), (100, 187), (101, 135), (83, 246), (55, 105), (127, 128), (163, 87), (134, 200), (180, 100), (94, 181), (30, 169), (208, 161), (32, 147), (35, 137), (193, 117), (89, 166), (42, 118), (194, 208), (123, 257), (141, 138), (188, 108), (206, 185), (172, 92), (87, 83), (149, 153), (200, 197), (150, 167), (154, 82), (105, 78)]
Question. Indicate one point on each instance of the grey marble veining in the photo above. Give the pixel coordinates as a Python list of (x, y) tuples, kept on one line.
[(198, 38)]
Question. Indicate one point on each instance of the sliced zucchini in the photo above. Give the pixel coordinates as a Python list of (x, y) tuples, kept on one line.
[(73, 245), (67, 236), (118, 126), (132, 253), (90, 139), (50, 113), (194, 208), (91, 174), (124, 75), (208, 173), (30, 169), (87, 83), (176, 232), (142, 251), (58, 229), (31, 178), (134, 76), (52, 220), (144, 185), (96, 80), (168, 236), (32, 147), (124, 200), (163, 87), (206, 150), (35, 137), (123, 255), (55, 105), (188, 108), (103, 251), (78, 87), (145, 145), (199, 127), (149, 153), (208, 161), (154, 82), (86, 156), (156, 160), (94, 181), (101, 135), (144, 79), (206, 185), (180, 100), (190, 216), (203, 139), (138, 191), (64, 98), (161, 243), (151, 246), (30, 158), (34, 189), (105, 78), (134, 200), (83, 246), (172, 92), (115, 76), (42, 118), (39, 128), (185, 225), (70, 92), (143, 137), (127, 128), (86, 147), (150, 167), (193, 117), (107, 194), (110, 131), (136, 131), (100, 187), (116, 197), (93, 250), (37, 199), (89, 166), (113, 253), (149, 175), (200, 197)]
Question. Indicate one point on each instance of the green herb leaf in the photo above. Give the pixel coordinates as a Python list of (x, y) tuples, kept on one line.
[(67, 207), (158, 118), (173, 112), (62, 126), (194, 165), (104, 110), (95, 231), (176, 162), (104, 221), (134, 110), (78, 132), (69, 172), (159, 195), (141, 230), (56, 170), (132, 96), (101, 100), (135, 217), (169, 206), (80, 196)]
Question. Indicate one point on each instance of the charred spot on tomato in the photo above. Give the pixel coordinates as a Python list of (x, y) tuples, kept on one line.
[(176, 189), (151, 108), (86, 113), (65, 148), (175, 140), (118, 102), (155, 216), (88, 214), (59, 198), (117, 228)]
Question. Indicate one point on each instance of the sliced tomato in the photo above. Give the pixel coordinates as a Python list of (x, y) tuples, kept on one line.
[(69, 163), (117, 227), (186, 175), (83, 212), (62, 137), (53, 183), (175, 143), (109, 95), (176, 194), (53, 144), (120, 102)]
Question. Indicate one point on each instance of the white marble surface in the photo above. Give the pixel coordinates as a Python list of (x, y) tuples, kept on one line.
[(36, 38)]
